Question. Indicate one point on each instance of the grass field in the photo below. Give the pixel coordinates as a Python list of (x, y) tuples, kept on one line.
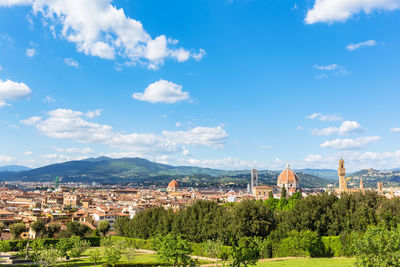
[(306, 262)]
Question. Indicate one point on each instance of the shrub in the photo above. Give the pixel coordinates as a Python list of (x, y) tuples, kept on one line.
[(333, 246), (301, 244)]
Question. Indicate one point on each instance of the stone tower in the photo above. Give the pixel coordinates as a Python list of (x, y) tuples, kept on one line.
[(254, 180), (342, 176), (361, 184)]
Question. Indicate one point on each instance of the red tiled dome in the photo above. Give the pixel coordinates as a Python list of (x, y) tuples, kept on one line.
[(288, 177), (173, 184)]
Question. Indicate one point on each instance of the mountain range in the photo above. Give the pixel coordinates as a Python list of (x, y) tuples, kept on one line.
[(142, 171), (138, 170)]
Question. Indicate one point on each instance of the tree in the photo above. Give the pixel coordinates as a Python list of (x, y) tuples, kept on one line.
[(283, 192), (121, 225), (77, 229), (379, 247), (246, 252), (5, 246), (63, 246), (2, 226), (112, 255), (17, 229), (78, 247), (49, 257), (52, 229), (39, 227), (173, 249), (103, 227), (270, 195), (214, 249), (95, 256)]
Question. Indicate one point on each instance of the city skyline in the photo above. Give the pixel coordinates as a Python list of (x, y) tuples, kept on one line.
[(222, 84)]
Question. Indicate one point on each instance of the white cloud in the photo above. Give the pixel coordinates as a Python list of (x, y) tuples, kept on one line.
[(299, 128), (10, 90), (206, 136), (349, 144), (5, 159), (71, 62), (1, 68), (69, 124), (352, 47), (49, 99), (326, 67), (395, 130), (14, 2), (162, 91), (28, 153), (178, 124), (31, 121), (75, 150), (325, 131), (93, 113), (98, 28), (198, 56), (329, 11), (30, 52), (313, 158), (347, 127), (324, 117)]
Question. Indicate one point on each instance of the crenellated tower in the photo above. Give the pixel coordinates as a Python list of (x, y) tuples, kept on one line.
[(342, 176)]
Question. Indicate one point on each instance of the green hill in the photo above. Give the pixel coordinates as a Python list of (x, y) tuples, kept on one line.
[(138, 170)]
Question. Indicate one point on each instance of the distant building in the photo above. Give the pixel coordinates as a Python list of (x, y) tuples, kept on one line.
[(253, 180), (288, 179), (173, 186), (262, 191)]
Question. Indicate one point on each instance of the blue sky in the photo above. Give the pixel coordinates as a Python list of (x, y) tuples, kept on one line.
[(213, 83)]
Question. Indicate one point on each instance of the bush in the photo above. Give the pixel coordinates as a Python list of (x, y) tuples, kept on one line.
[(379, 247), (134, 242), (333, 246), (301, 244)]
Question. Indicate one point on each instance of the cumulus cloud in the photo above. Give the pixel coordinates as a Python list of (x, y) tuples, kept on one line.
[(98, 28), (93, 113), (31, 121), (71, 62), (329, 11), (69, 124), (5, 159), (352, 47), (395, 130), (28, 153), (30, 52), (354, 160), (347, 127), (324, 117), (206, 136), (10, 90), (162, 91), (349, 144)]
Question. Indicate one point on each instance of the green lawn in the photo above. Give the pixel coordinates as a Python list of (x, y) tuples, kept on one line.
[(143, 259), (306, 262)]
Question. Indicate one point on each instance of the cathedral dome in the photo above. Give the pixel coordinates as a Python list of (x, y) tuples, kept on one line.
[(173, 185), (288, 178)]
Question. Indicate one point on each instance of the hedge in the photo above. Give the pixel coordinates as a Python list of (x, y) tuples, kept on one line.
[(333, 246), (94, 242)]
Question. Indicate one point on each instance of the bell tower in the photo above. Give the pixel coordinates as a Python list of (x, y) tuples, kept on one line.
[(342, 176)]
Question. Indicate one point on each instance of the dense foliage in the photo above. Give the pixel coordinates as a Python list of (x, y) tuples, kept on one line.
[(317, 226)]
